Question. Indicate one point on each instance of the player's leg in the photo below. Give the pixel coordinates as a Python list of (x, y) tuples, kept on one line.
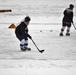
[(62, 29)]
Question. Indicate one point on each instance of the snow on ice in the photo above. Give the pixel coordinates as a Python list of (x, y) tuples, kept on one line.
[(59, 57)]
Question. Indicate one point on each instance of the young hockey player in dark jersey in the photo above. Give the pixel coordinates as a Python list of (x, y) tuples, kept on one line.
[(21, 32), (67, 20)]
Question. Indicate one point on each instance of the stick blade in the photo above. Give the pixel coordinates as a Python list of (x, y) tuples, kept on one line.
[(41, 51)]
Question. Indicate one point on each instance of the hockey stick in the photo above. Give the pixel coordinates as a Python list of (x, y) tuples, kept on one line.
[(74, 26), (37, 47)]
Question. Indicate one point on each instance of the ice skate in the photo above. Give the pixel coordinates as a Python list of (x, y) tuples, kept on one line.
[(67, 34), (28, 49), (22, 47), (61, 34)]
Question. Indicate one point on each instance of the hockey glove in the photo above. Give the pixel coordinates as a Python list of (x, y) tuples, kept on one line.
[(29, 37)]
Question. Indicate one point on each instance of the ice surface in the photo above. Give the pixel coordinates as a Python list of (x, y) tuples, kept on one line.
[(59, 57)]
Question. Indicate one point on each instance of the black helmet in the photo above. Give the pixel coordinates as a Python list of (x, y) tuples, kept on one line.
[(27, 18), (71, 5)]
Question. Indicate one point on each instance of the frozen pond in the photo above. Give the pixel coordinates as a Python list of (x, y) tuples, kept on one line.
[(59, 57)]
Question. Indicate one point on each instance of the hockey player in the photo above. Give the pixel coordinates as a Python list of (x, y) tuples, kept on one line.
[(67, 20), (21, 32)]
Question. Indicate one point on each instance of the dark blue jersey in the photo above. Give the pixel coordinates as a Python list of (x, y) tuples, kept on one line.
[(68, 15), (21, 31)]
